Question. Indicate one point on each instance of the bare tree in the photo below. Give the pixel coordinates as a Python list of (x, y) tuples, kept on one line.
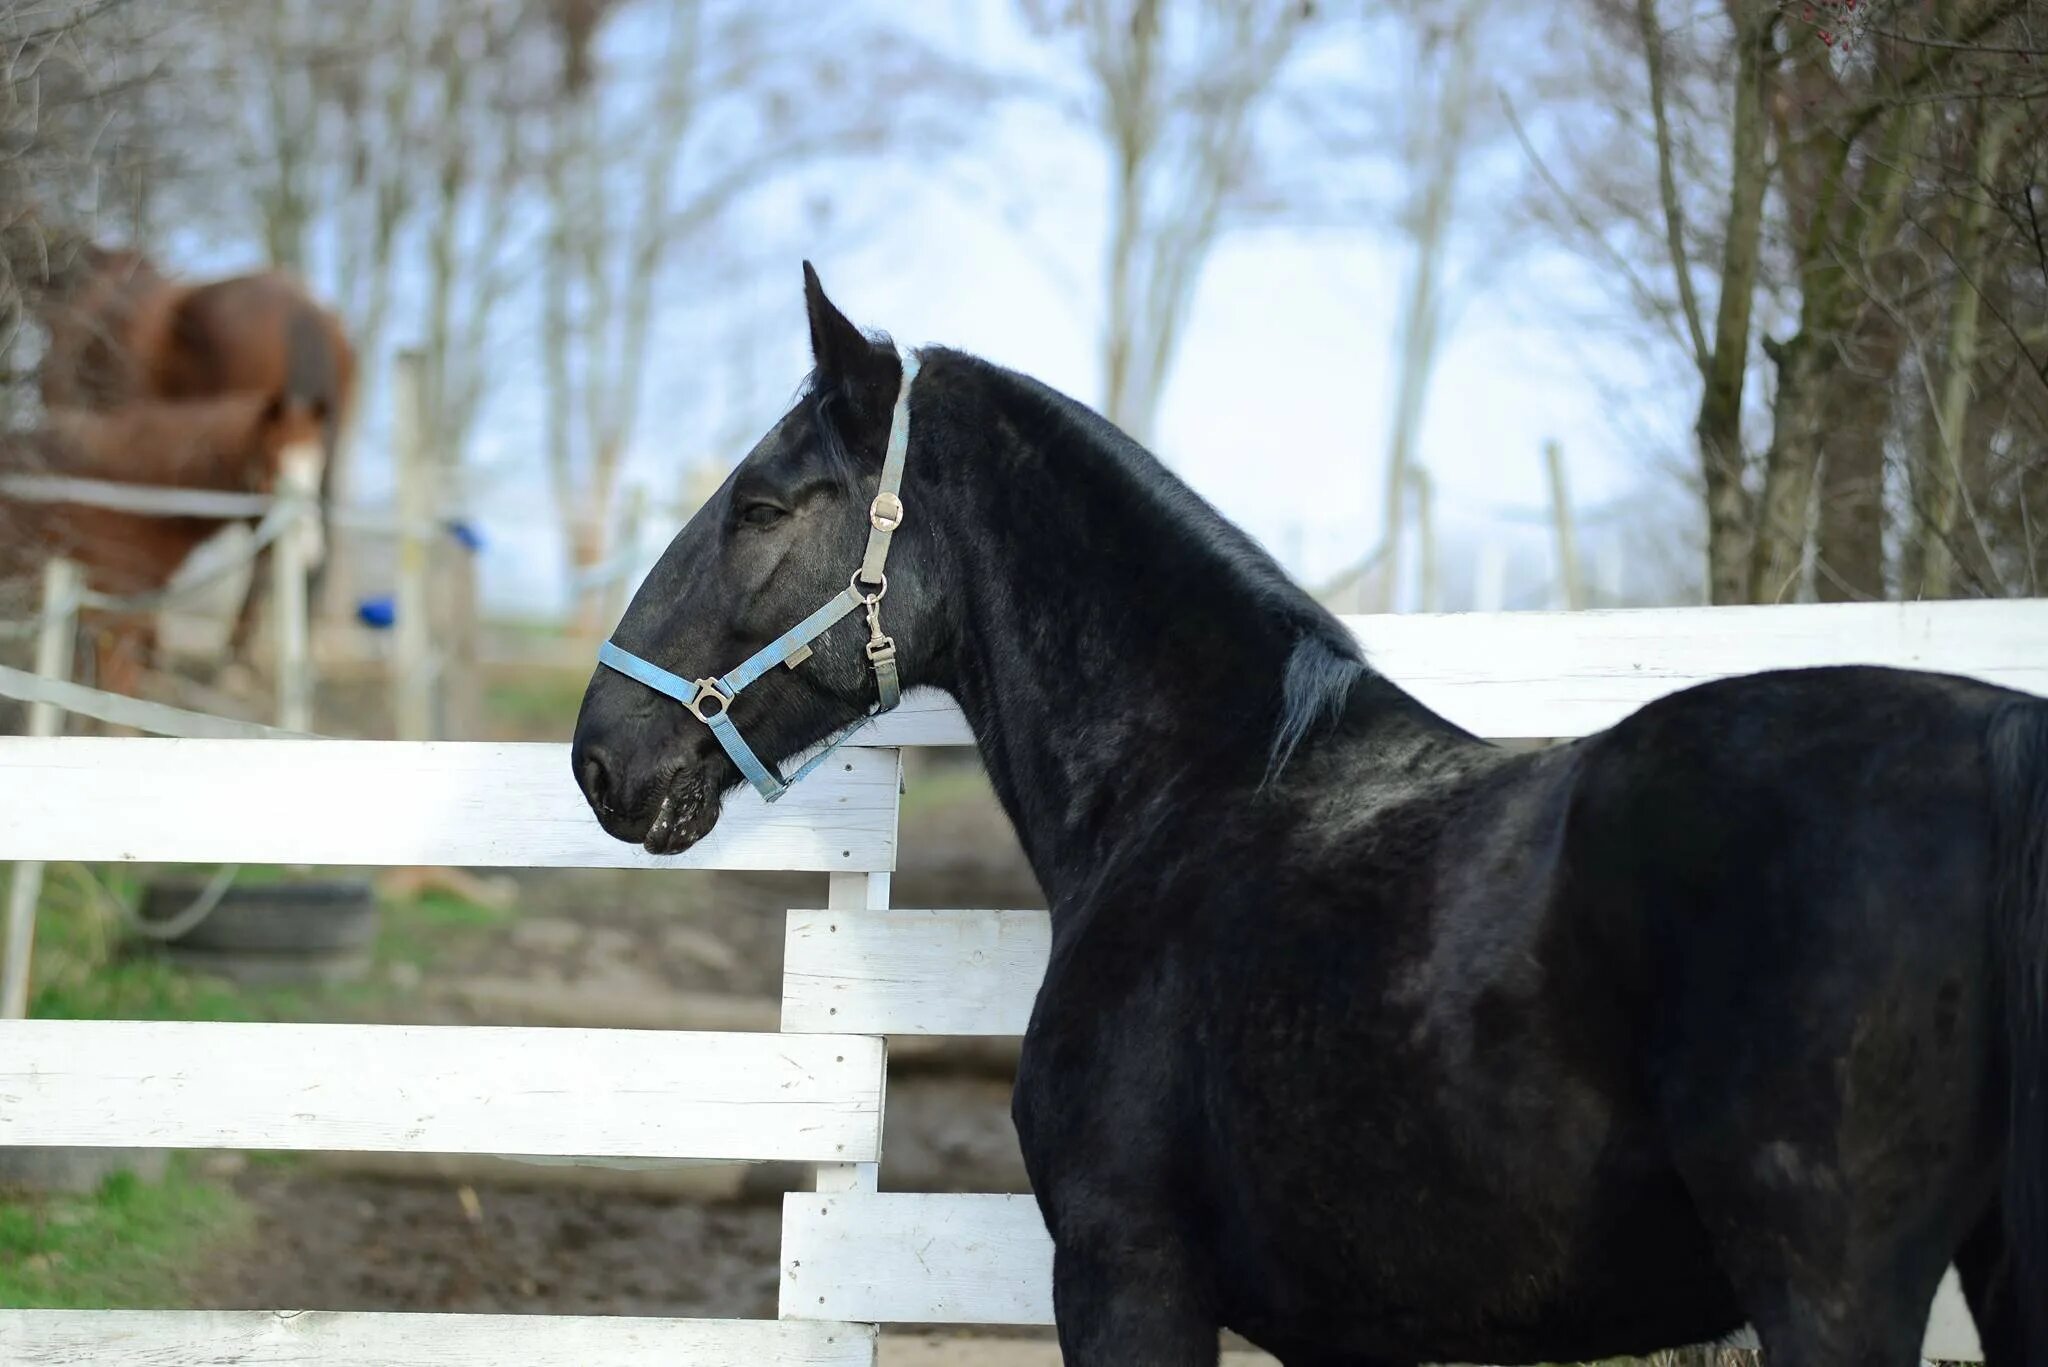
[(1176, 92), (79, 150), (640, 164), (1867, 230), (1435, 159)]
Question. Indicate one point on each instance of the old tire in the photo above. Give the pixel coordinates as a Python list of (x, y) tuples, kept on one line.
[(333, 917)]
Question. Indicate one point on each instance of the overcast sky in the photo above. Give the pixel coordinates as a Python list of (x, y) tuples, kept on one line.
[(1277, 410)]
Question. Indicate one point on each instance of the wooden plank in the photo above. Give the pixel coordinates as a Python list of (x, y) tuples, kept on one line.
[(1518, 675), (913, 972), (903, 1258), (317, 1338), (854, 892), (1532, 674), (441, 1089), (389, 802), (924, 717)]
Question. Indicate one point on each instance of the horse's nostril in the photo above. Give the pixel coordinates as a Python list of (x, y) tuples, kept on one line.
[(592, 773)]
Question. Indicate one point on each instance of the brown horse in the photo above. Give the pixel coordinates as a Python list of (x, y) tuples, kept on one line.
[(241, 444), (126, 333)]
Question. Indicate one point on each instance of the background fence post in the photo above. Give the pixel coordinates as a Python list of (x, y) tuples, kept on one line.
[(56, 635), (290, 569), (412, 642), (1571, 591)]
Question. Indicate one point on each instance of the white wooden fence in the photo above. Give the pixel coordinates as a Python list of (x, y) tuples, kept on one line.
[(857, 971)]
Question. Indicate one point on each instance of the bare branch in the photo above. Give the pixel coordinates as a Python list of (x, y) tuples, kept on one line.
[(1667, 181)]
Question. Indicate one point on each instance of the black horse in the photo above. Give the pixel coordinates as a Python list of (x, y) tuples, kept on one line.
[(1364, 1038)]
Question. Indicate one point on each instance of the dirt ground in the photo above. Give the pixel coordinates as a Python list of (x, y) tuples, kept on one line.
[(662, 950)]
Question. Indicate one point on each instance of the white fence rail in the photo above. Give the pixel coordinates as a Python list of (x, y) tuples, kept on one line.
[(856, 970), (441, 1089), (379, 802)]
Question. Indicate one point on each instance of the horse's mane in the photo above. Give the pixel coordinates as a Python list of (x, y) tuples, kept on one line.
[(1324, 661), (822, 401)]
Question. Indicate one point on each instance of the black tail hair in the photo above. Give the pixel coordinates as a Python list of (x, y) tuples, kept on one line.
[(2018, 747)]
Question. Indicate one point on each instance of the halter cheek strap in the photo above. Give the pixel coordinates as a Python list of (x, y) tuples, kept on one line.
[(710, 700)]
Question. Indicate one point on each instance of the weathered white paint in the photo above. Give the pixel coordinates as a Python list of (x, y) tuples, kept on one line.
[(315, 1338), (298, 551), (117, 496), (913, 972), (855, 892), (903, 1258), (441, 1089), (387, 802), (56, 638), (1516, 675), (1531, 674)]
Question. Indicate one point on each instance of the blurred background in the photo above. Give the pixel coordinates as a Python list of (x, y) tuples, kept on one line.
[(1453, 304)]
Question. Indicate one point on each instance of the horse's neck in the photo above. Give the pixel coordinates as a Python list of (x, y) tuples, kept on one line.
[(1122, 655)]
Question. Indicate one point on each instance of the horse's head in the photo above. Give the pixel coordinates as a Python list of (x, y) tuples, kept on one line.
[(784, 535), (286, 449)]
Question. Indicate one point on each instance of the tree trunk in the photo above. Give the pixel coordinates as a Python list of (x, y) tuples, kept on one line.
[(1936, 490), (1719, 428), (1849, 556), (1422, 311), (1832, 305), (1778, 540)]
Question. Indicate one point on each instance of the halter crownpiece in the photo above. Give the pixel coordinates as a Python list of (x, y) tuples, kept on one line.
[(710, 700)]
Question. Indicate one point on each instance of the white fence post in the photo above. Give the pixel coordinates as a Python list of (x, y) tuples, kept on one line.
[(412, 643), (858, 892), (290, 567), (55, 637)]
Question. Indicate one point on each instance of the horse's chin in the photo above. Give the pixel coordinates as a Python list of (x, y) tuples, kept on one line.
[(686, 814)]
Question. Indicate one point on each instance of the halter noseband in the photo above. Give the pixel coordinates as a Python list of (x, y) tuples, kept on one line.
[(710, 700)]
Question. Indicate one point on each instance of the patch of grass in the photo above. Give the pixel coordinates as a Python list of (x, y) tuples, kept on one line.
[(537, 704), (128, 1245), (948, 783), (86, 967), (418, 930)]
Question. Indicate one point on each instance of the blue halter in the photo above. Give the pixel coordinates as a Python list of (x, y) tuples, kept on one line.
[(710, 700)]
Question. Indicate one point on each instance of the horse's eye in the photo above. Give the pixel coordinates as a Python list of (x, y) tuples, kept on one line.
[(762, 514)]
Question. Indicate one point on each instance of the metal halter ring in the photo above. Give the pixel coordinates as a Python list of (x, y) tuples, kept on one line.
[(706, 689), (853, 582)]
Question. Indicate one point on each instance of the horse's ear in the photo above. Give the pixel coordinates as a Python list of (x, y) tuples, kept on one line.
[(864, 371), (835, 341)]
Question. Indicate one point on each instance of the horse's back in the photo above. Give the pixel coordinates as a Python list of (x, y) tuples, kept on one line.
[(1795, 872), (1788, 824), (1451, 1049)]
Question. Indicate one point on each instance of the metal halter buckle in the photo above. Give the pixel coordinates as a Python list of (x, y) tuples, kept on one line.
[(708, 689), (885, 514), (880, 647)]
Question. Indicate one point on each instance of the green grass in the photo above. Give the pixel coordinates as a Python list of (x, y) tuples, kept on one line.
[(419, 930), (937, 786), (86, 970), (536, 704), (129, 1244)]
